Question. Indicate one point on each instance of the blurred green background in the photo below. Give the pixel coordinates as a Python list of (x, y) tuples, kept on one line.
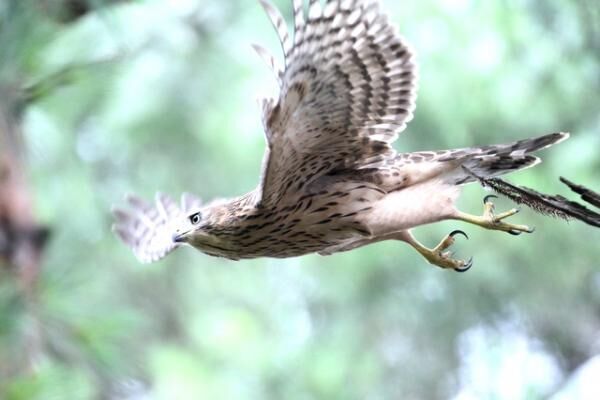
[(115, 97)]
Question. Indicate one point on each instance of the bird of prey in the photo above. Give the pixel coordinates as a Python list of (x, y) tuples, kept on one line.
[(331, 180)]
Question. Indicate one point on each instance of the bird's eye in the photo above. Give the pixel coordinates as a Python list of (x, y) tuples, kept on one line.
[(195, 218)]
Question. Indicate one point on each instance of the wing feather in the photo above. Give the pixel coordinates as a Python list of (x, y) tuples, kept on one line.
[(270, 61), (348, 89), (298, 6), (148, 228), (314, 10), (279, 24)]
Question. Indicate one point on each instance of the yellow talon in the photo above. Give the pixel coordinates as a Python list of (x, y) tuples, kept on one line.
[(442, 258), (491, 221)]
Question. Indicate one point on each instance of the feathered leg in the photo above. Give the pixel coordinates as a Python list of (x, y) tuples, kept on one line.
[(439, 255)]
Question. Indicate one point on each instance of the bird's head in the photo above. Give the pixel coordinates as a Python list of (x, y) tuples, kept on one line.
[(153, 231), (200, 228), (191, 227)]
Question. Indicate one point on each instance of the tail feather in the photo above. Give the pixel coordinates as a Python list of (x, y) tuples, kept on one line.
[(496, 160)]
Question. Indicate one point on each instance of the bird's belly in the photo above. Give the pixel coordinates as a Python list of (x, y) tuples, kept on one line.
[(421, 204)]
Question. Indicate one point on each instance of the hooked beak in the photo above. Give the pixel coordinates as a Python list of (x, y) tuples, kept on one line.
[(179, 237)]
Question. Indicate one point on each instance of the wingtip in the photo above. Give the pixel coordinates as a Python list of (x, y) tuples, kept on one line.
[(160, 197), (121, 234), (266, 5), (131, 199)]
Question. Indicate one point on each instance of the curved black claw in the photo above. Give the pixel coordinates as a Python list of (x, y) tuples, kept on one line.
[(465, 267), (514, 232), (487, 198), (458, 232)]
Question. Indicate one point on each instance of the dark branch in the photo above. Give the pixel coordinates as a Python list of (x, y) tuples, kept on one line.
[(555, 206), (586, 194)]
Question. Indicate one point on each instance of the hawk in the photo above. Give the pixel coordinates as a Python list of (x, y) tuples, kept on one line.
[(331, 180)]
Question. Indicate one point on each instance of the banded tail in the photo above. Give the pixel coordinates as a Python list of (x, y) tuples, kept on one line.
[(496, 160)]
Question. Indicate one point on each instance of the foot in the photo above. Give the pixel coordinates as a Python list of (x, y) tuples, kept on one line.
[(492, 221), (441, 257)]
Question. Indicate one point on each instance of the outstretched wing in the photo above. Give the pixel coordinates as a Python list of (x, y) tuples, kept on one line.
[(148, 229), (347, 90)]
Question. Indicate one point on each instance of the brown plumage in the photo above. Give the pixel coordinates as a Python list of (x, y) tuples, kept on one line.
[(331, 180)]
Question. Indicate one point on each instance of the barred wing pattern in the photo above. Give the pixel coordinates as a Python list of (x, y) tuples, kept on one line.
[(347, 90), (147, 228)]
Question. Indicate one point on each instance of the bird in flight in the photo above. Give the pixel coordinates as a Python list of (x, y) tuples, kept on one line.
[(331, 180)]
